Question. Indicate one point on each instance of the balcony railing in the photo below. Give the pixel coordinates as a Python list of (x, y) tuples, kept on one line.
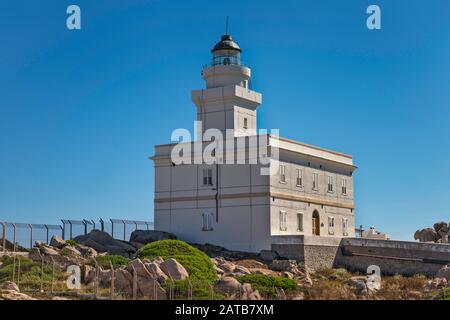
[(225, 61)]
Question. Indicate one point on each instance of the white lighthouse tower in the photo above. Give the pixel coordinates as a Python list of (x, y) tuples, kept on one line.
[(227, 102), (231, 203)]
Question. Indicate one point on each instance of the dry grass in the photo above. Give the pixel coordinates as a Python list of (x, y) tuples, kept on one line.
[(332, 284)]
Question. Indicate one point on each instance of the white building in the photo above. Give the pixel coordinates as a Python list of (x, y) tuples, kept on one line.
[(234, 205)]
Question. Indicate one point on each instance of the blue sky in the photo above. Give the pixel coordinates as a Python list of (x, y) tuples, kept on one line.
[(80, 111)]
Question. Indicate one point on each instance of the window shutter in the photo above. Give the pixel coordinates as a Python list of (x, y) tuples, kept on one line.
[(300, 221), (204, 221), (205, 177), (210, 177)]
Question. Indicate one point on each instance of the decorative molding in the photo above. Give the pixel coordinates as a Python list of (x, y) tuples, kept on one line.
[(276, 195)]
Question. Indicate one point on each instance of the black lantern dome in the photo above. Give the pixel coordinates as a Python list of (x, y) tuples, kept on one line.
[(226, 43)]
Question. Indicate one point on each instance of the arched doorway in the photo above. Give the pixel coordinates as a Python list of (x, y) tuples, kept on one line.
[(316, 223)]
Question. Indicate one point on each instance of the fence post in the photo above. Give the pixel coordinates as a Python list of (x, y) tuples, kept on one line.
[(102, 225), (53, 274), (112, 229), (4, 236), (124, 230), (171, 289), (96, 279), (70, 228), (93, 224), (18, 273), (14, 238), (63, 230), (31, 236), (189, 293), (211, 291), (46, 228), (14, 267), (134, 283), (112, 280), (42, 273)]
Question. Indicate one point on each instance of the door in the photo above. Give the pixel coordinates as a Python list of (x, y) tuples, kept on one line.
[(316, 224)]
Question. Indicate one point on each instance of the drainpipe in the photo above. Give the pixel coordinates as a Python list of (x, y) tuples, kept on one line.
[(4, 235)]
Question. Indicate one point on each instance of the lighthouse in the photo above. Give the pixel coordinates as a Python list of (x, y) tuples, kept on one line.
[(227, 102), (232, 204)]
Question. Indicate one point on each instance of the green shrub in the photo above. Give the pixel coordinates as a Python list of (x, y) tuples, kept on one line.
[(201, 290), (266, 285), (447, 294), (196, 262), (71, 242), (30, 272), (66, 252), (117, 261)]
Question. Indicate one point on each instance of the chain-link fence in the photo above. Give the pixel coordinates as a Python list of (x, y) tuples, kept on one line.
[(46, 279), (18, 236)]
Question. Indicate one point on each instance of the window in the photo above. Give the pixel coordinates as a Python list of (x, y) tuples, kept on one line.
[(207, 177), (299, 221), (282, 173), (207, 221), (330, 225), (330, 184), (345, 227), (299, 177), (283, 222), (315, 185), (245, 123), (344, 186)]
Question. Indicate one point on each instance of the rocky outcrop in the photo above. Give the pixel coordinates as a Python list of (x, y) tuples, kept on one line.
[(426, 235), (146, 236), (361, 287), (147, 284), (248, 293), (268, 255), (174, 269), (42, 252), (444, 272), (156, 272), (240, 270), (57, 242), (228, 285), (359, 284), (10, 291), (9, 285), (103, 242), (286, 266), (436, 283), (14, 295), (440, 233)]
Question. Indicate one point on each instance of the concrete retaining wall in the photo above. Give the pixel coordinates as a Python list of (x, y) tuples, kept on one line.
[(356, 254)]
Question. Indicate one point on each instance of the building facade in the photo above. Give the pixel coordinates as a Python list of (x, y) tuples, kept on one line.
[(233, 204)]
